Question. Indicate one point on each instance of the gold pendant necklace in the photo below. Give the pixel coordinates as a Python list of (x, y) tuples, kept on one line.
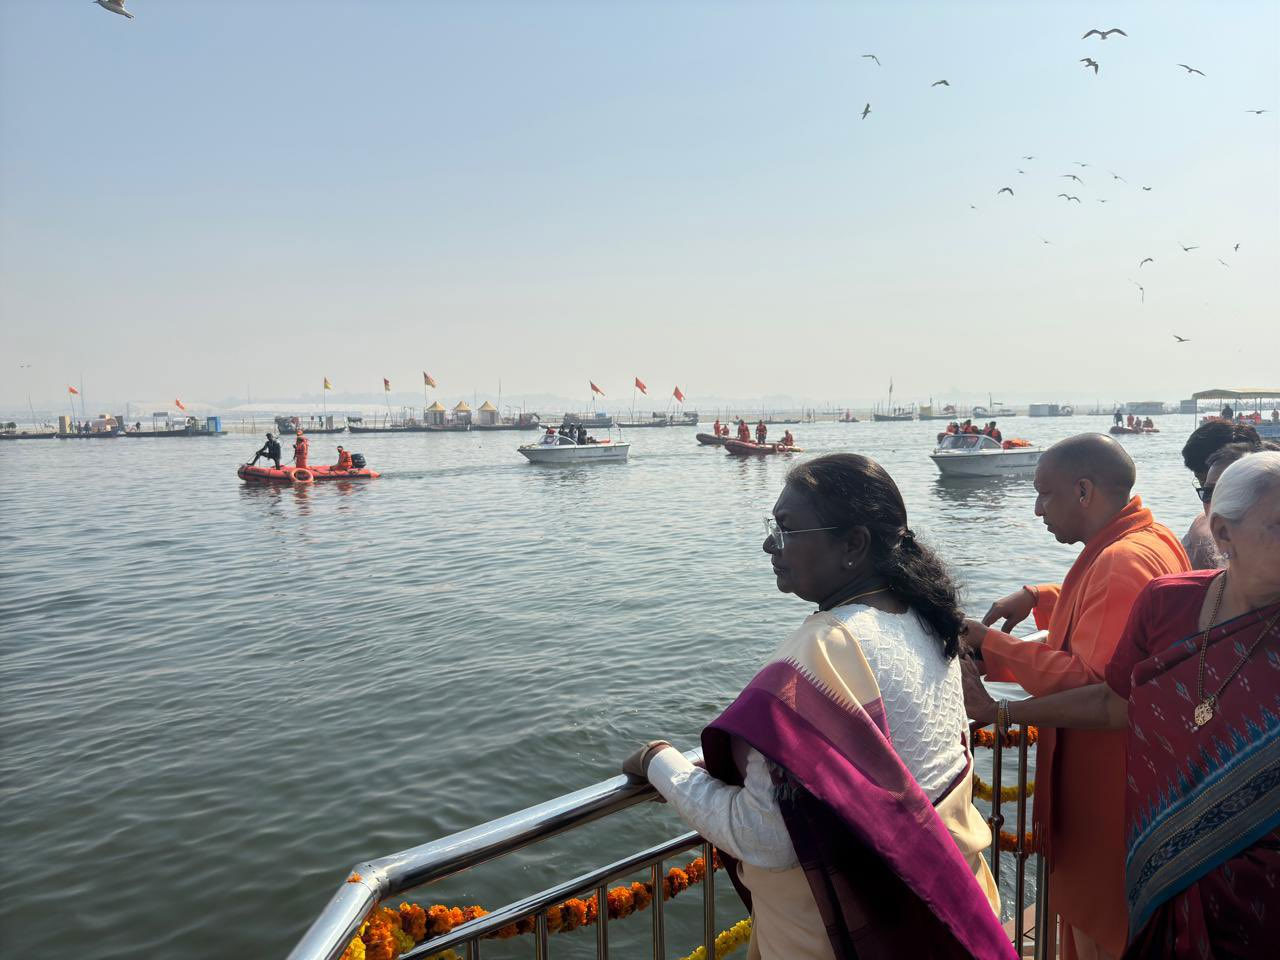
[(1206, 704)]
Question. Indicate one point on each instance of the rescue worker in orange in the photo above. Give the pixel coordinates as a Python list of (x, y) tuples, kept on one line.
[(761, 432), (1083, 493), (344, 460), (787, 439), (715, 428), (744, 432), (301, 447), (953, 428)]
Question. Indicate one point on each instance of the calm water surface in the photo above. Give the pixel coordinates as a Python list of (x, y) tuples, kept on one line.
[(216, 698)]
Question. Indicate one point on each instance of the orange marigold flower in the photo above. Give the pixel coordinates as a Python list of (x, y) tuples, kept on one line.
[(413, 920), (527, 924), (355, 878), (576, 910), (472, 912), (676, 881), (593, 910), (696, 870), (380, 944), (642, 893), (555, 919), (438, 920), (620, 902), (507, 932)]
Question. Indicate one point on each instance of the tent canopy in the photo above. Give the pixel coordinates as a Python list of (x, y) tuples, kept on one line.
[(436, 407), (462, 407), (1240, 393), (488, 407)]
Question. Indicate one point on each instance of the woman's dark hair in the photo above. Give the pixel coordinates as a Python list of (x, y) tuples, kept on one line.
[(848, 491), (1210, 437), (1230, 453)]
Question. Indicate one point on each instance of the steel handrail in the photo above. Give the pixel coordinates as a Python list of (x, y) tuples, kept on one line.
[(372, 881)]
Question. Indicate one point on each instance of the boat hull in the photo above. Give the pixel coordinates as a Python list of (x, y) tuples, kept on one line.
[(1119, 431), (325, 472), (586, 453), (739, 448), (891, 417), (987, 463), (27, 436), (270, 475), (710, 440)]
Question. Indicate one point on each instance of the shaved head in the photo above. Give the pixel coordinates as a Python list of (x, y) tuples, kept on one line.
[(1094, 457)]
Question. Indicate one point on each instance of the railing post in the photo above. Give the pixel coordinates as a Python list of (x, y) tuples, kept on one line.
[(1020, 867), (997, 819), (602, 922), (709, 901), (659, 931), (1046, 928), (540, 937)]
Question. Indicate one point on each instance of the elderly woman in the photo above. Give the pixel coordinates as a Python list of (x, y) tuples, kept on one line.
[(1196, 680), (838, 783)]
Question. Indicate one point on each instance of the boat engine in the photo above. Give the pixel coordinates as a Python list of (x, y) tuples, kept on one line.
[(358, 461)]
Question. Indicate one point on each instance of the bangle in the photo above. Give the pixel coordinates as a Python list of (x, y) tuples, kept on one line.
[(1002, 716)]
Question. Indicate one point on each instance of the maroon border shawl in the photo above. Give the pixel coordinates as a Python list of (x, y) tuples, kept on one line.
[(887, 876), (1202, 806)]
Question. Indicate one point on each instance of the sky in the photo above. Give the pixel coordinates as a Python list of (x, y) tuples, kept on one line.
[(221, 200)]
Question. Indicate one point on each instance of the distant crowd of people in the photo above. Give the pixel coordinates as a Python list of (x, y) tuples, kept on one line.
[(744, 432), (301, 451), (956, 428)]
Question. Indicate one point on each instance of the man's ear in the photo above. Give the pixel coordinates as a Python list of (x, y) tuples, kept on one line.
[(1085, 490)]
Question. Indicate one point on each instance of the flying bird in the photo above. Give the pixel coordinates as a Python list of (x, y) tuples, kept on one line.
[(1028, 158), (1181, 339), (1258, 112), (871, 56), (1142, 291), (1102, 201), (865, 111), (1236, 248), (1047, 243), (1146, 188), (1079, 164), (1223, 262), (115, 6), (1076, 199), (1090, 62), (1187, 249), (1146, 260), (1008, 190), (1116, 176), (1191, 69), (1022, 171), (939, 83), (1070, 176), (1103, 34), (972, 207)]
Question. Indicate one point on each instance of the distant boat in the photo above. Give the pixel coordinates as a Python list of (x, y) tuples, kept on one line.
[(896, 413), (592, 421), (1051, 410), (555, 449), (975, 455), (15, 435), (926, 412)]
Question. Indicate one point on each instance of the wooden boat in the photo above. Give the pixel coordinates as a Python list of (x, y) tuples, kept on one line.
[(892, 417), (710, 440), (740, 448), (28, 436)]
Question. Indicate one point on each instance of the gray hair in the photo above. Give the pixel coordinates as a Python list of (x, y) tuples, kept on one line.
[(1243, 484)]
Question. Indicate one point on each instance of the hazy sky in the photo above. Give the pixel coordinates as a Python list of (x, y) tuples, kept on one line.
[(227, 195)]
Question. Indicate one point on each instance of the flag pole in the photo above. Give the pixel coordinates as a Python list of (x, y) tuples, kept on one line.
[(82, 407)]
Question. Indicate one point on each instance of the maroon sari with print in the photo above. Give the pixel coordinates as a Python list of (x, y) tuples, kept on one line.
[(1202, 805)]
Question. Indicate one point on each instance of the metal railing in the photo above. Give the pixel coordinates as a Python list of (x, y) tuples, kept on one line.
[(373, 881)]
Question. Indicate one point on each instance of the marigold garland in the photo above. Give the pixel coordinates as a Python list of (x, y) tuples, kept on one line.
[(387, 933), (1009, 841), (987, 738), (727, 941), (984, 791)]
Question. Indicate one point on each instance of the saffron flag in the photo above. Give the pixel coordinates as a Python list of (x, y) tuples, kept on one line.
[(641, 387), (181, 405), (327, 384), (386, 384), (677, 394), (73, 391), (428, 379), (594, 388)]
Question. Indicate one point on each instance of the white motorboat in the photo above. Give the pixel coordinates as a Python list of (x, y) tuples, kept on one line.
[(975, 455), (554, 448)]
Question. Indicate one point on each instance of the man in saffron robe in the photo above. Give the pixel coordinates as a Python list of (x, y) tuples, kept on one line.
[(1083, 487)]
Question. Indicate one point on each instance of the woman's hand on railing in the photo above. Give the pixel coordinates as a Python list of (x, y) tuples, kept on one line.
[(977, 702), (636, 766)]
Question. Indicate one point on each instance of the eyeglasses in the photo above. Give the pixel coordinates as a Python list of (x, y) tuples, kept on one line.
[(1205, 493), (774, 532)]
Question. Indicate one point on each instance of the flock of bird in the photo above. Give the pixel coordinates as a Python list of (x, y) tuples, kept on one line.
[(1090, 62)]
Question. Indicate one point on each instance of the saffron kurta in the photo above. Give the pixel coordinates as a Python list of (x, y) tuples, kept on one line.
[(1080, 774)]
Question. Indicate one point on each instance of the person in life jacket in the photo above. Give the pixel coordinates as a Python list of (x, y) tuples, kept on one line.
[(301, 446), (344, 460), (953, 428), (787, 439), (270, 450), (761, 432), (744, 432), (715, 427)]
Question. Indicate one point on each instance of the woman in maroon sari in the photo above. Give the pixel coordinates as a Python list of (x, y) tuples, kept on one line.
[(1196, 679)]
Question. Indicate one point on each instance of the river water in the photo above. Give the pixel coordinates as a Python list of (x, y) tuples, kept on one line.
[(216, 698)]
